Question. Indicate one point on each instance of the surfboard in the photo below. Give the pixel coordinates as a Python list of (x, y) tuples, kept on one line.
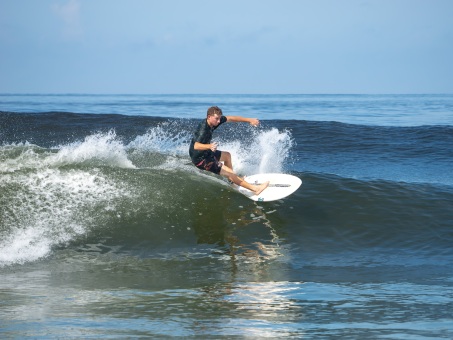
[(280, 186)]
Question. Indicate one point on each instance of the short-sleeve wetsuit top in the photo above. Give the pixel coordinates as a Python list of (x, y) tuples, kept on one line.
[(203, 134)]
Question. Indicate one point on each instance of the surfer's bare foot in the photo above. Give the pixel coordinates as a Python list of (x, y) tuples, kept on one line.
[(261, 187)]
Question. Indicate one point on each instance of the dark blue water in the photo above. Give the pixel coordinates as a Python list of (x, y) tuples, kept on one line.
[(384, 110), (107, 230)]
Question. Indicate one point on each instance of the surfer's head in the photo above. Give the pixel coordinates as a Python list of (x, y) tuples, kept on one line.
[(213, 115), (214, 110)]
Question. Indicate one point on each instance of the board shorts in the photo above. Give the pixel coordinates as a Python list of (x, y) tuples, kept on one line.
[(211, 163)]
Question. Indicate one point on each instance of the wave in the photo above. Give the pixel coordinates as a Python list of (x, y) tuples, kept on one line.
[(104, 187), (177, 211), (155, 213), (52, 196)]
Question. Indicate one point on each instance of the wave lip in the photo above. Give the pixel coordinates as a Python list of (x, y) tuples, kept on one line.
[(100, 149), (103, 149)]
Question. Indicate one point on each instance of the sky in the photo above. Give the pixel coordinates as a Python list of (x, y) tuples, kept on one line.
[(226, 47)]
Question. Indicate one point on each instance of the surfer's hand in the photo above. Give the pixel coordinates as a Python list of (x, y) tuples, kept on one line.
[(214, 147), (254, 122)]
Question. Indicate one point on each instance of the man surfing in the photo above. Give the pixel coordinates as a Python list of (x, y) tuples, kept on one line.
[(204, 153)]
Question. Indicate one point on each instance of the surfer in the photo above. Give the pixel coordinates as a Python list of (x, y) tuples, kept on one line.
[(204, 153)]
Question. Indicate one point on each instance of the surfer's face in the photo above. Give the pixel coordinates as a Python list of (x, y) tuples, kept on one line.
[(214, 120)]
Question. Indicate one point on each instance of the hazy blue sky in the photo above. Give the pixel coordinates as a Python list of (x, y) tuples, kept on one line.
[(243, 46)]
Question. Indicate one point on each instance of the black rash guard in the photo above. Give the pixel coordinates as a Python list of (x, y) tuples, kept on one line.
[(203, 135)]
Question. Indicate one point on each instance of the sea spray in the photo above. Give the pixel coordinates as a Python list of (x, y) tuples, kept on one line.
[(265, 151), (166, 138), (97, 149), (48, 207)]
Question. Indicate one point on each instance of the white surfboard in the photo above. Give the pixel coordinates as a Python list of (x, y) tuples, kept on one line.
[(280, 186)]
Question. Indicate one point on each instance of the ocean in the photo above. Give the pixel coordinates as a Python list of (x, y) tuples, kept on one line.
[(108, 231)]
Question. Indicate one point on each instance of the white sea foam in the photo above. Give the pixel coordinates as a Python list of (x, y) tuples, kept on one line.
[(162, 139), (51, 208), (100, 148), (15, 157)]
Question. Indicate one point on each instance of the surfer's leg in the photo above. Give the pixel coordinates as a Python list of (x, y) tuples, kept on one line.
[(226, 159), (228, 173)]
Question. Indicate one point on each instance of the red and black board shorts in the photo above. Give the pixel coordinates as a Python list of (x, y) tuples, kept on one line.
[(211, 163)]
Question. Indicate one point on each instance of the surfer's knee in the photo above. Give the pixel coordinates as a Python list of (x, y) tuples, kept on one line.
[(225, 171), (226, 157)]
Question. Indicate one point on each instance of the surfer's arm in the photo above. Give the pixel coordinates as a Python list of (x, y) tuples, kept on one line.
[(202, 147), (239, 119)]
